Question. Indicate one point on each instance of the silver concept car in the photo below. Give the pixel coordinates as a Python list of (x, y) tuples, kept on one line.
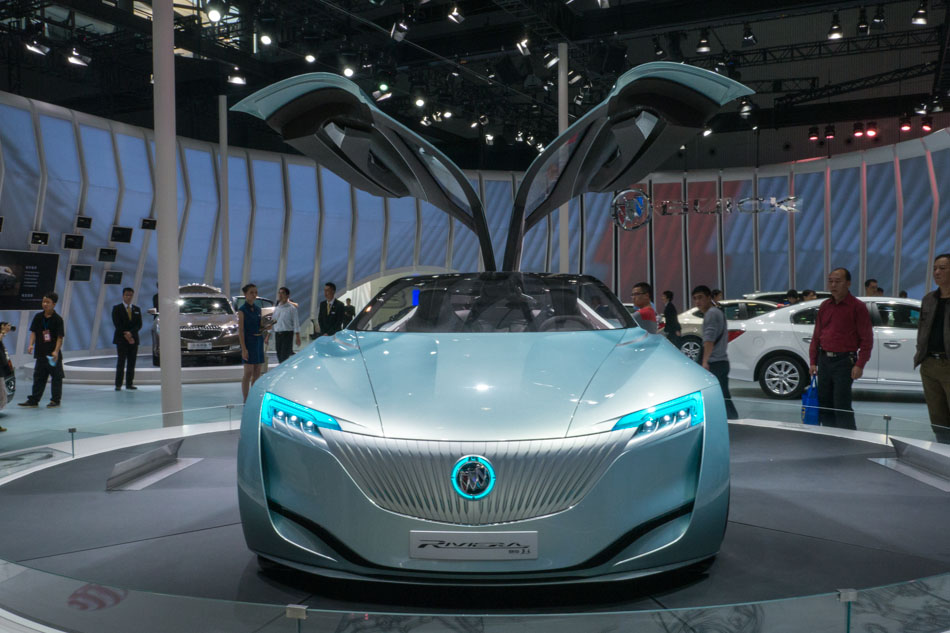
[(489, 427)]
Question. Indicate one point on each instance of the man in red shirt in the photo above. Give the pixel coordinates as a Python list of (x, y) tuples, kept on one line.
[(645, 316), (840, 348)]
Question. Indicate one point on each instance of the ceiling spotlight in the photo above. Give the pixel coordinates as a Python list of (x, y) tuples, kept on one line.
[(603, 4), (399, 30), (455, 16), (813, 133), (920, 15), (519, 137), (236, 77), (529, 139), (522, 47), (382, 95), (829, 132), (905, 124), (420, 102), (703, 45), (936, 105), (864, 28), (348, 71), (707, 131), (835, 32), (748, 37), (550, 59), (871, 130), (426, 121), (539, 147), (215, 10), (266, 40), (859, 130), (573, 77), (383, 86), (447, 114), (921, 108), (310, 58), (483, 119), (657, 49), (474, 124), (489, 139), (78, 60), (35, 47), (927, 123), (578, 99), (878, 19), (437, 116)]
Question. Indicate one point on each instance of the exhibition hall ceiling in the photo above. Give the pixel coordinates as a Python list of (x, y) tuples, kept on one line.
[(456, 71)]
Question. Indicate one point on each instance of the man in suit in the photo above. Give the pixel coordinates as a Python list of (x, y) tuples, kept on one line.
[(331, 317), (127, 319)]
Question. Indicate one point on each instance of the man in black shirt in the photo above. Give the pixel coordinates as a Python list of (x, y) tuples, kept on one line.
[(46, 341), (933, 349), (127, 319), (671, 319), (330, 319)]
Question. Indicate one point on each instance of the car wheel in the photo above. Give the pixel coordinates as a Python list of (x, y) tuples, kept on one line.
[(783, 376), (692, 346)]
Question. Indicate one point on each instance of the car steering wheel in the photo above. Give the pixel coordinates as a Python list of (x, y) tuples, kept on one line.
[(555, 322)]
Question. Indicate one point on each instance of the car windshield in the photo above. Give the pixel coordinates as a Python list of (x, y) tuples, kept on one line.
[(204, 305), (494, 302)]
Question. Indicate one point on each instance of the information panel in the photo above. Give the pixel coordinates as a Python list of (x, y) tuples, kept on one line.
[(25, 276)]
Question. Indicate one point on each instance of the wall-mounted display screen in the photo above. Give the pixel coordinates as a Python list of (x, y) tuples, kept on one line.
[(72, 242), (38, 238), (113, 277), (121, 234), (106, 255), (149, 224), (80, 272), (24, 277), (83, 222)]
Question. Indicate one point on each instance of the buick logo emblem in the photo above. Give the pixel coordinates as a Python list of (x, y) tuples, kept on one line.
[(473, 477)]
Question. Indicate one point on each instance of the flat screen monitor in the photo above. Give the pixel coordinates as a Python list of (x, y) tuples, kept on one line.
[(83, 222), (113, 277), (72, 242), (106, 255), (149, 224), (25, 276), (121, 234), (80, 272), (39, 238)]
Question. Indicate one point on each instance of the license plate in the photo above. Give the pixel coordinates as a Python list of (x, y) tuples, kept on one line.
[(199, 346), (473, 545)]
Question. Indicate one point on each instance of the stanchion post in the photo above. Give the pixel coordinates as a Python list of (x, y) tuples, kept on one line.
[(72, 440), (887, 426), (297, 612)]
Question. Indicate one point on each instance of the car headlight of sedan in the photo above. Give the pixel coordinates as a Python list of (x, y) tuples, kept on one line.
[(293, 418), (665, 419)]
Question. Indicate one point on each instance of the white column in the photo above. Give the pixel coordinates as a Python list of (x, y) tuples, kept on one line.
[(223, 208), (166, 208), (564, 242)]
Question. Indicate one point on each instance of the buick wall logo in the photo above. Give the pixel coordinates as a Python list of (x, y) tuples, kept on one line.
[(473, 477)]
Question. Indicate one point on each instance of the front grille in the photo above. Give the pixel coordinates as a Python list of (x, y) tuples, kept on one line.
[(534, 478), (201, 333)]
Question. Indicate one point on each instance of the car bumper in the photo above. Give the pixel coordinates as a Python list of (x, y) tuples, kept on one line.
[(656, 506)]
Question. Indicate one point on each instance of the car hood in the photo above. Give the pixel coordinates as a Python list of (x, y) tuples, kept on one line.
[(491, 387), (206, 319)]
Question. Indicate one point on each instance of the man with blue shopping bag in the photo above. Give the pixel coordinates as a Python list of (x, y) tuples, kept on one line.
[(840, 348), (810, 402)]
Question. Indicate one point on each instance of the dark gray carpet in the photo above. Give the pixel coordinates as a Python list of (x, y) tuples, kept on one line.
[(810, 514)]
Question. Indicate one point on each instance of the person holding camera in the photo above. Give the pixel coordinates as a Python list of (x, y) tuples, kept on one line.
[(46, 340)]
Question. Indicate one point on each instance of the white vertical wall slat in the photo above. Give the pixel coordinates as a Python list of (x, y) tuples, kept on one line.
[(186, 185), (249, 243), (934, 215), (899, 234)]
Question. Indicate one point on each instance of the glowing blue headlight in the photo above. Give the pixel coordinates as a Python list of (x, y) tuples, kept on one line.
[(281, 411), (685, 411)]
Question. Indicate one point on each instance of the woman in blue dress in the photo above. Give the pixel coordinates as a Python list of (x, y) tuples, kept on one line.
[(251, 335)]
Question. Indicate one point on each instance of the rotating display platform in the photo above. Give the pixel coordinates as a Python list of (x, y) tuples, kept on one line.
[(100, 370), (809, 514)]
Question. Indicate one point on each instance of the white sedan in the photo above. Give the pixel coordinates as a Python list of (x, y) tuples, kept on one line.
[(773, 348)]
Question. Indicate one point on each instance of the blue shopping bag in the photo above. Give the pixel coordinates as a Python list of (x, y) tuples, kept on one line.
[(810, 402)]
